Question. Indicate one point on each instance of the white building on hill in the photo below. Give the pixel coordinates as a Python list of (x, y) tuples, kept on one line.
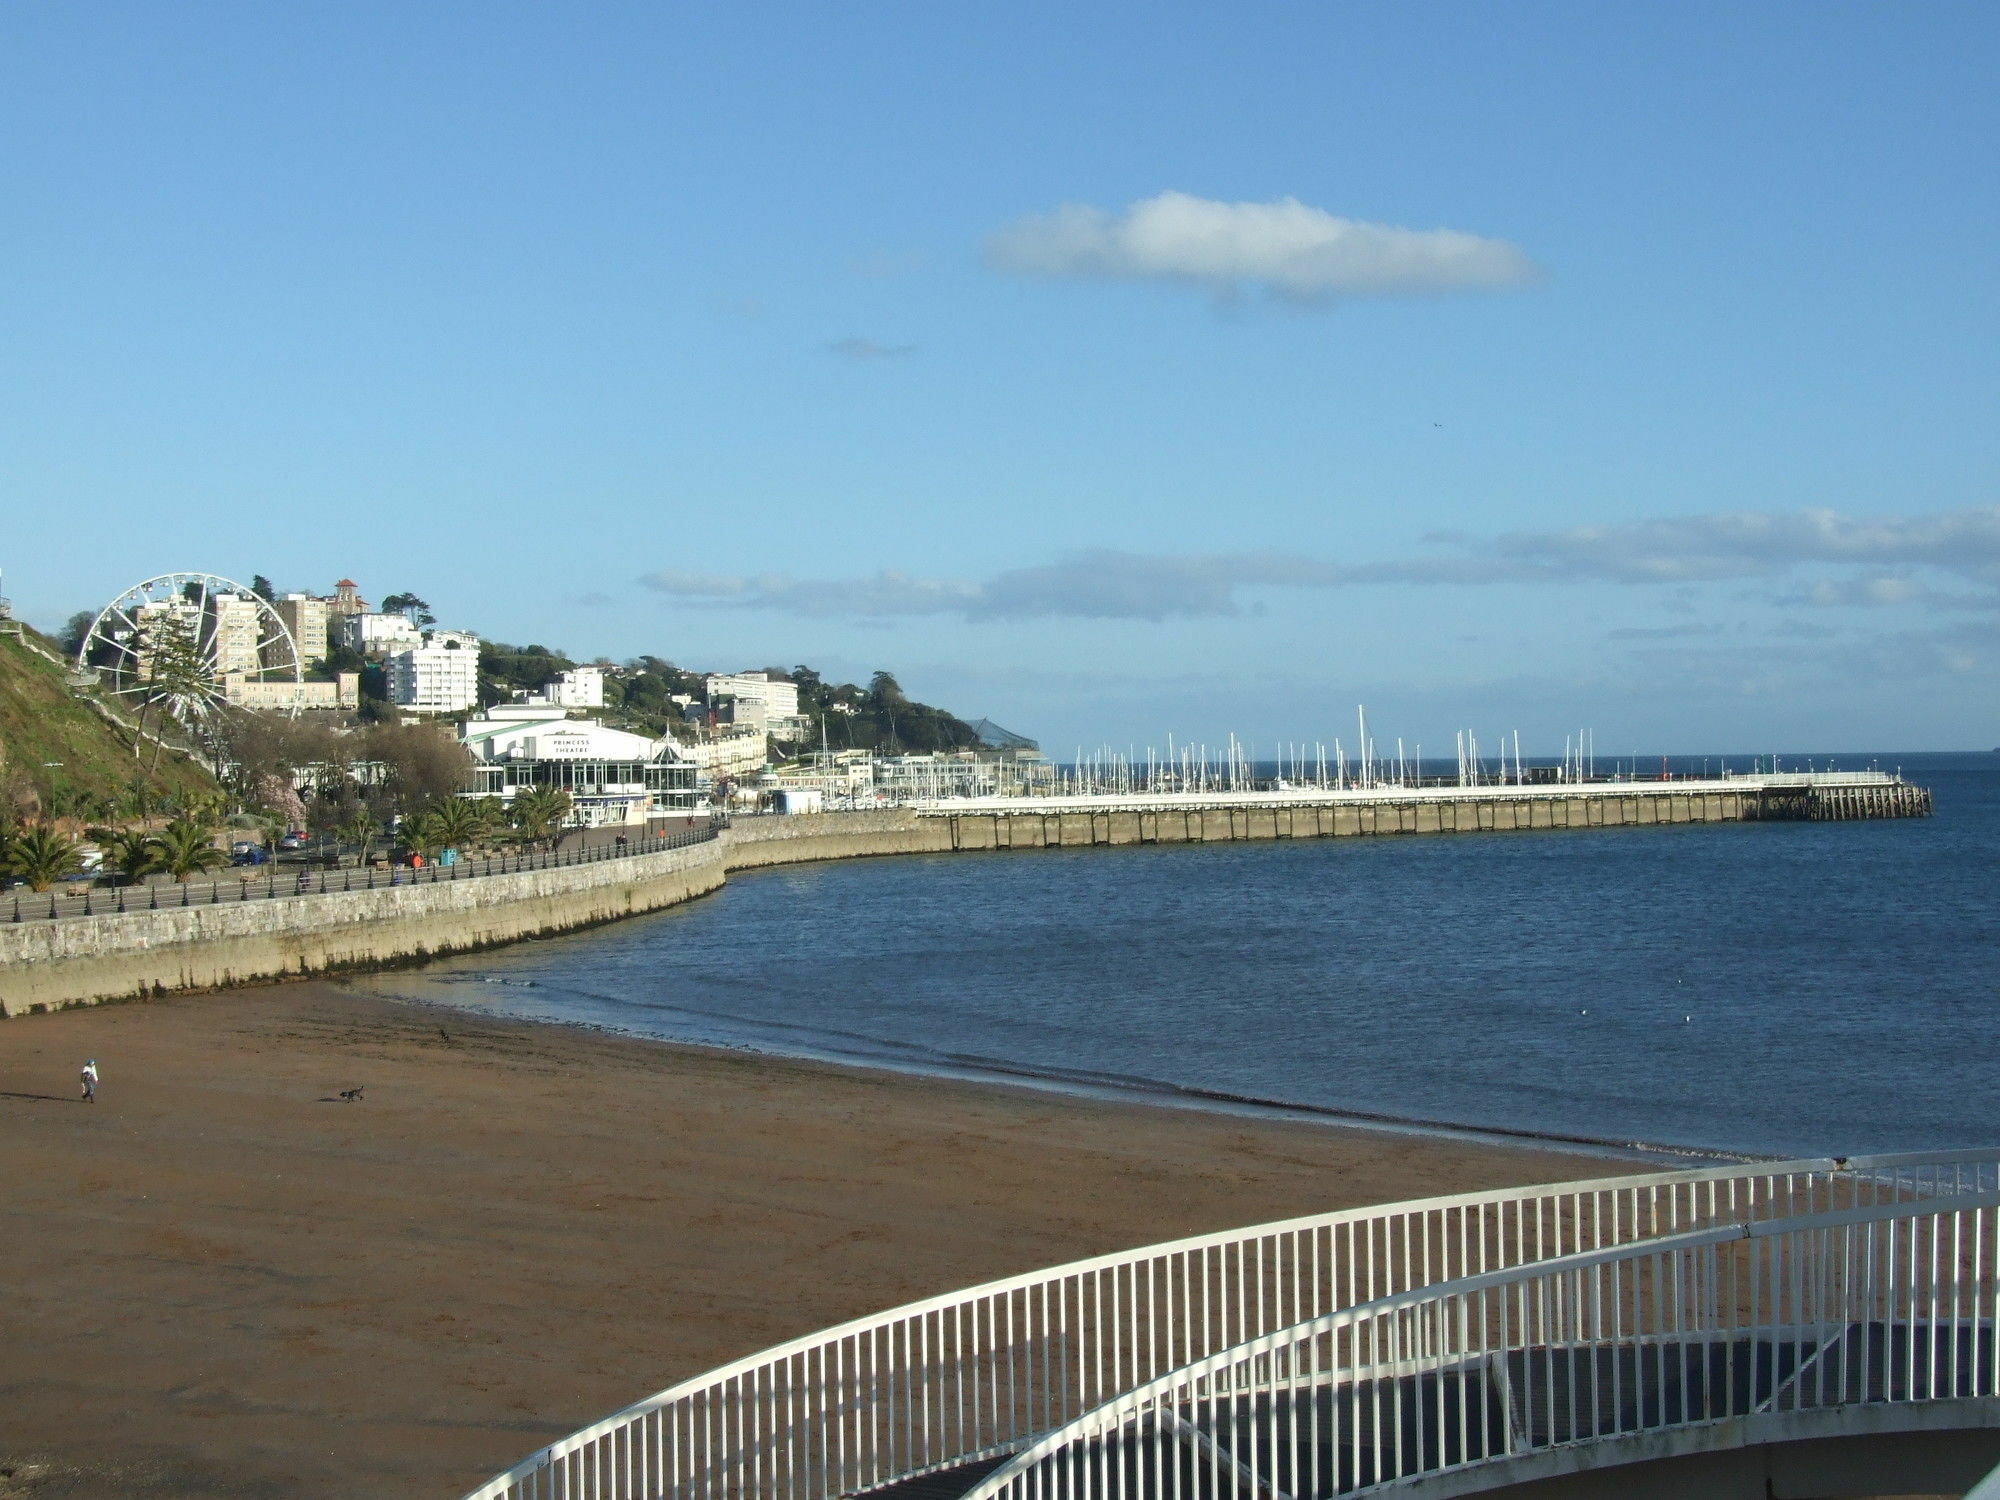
[(613, 777), (579, 687), (780, 700), (439, 675), (377, 634)]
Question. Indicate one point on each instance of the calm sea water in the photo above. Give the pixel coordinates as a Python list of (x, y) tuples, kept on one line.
[(1761, 987)]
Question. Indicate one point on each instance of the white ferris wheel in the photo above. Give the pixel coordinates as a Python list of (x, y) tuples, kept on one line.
[(190, 644)]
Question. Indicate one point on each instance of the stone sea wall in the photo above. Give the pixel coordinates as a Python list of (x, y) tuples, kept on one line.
[(137, 955)]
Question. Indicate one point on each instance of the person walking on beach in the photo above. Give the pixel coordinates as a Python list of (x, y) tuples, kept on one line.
[(90, 1082)]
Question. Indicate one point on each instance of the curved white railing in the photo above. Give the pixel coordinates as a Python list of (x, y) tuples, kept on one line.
[(980, 1374), (1889, 1303)]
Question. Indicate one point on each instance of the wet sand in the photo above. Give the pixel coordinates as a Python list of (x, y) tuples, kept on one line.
[(225, 1281)]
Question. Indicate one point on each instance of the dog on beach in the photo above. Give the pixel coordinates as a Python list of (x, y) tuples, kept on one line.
[(352, 1096)]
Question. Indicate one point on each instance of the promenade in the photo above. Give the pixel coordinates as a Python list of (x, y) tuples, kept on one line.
[(290, 879)]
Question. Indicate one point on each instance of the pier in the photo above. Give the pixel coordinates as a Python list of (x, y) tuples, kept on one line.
[(1326, 812)]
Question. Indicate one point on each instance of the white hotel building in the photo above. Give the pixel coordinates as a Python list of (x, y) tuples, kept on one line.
[(440, 675)]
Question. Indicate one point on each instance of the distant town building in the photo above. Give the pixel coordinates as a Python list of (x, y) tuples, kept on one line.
[(780, 700), (747, 712), (579, 687), (343, 693), (231, 625), (307, 617), (842, 779), (613, 777), (729, 752), (855, 778), (239, 629), (438, 675), (346, 599), (375, 634)]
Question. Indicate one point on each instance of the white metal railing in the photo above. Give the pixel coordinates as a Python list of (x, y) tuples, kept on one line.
[(983, 1373), (1891, 1302)]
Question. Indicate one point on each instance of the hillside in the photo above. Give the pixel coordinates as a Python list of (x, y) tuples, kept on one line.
[(59, 755), (641, 695)]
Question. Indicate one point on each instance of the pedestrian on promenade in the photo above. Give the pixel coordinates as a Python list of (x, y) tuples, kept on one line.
[(90, 1082)]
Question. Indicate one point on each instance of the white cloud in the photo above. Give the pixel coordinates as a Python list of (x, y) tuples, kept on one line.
[(1105, 585), (864, 349), (884, 593), (1748, 544), (1865, 591), (1288, 248), (1889, 554)]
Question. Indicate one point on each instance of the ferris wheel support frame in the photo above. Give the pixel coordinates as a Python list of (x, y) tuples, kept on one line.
[(119, 630)]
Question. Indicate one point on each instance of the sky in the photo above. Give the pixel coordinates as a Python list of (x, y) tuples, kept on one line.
[(1112, 371)]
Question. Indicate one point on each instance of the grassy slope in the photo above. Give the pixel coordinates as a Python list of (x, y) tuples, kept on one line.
[(42, 721)]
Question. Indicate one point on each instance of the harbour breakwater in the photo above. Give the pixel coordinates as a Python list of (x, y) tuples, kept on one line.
[(80, 960)]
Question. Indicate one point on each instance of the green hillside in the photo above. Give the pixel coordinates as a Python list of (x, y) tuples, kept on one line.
[(58, 754)]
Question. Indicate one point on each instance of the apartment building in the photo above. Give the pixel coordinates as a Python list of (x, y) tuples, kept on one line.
[(438, 675), (307, 616), (780, 700)]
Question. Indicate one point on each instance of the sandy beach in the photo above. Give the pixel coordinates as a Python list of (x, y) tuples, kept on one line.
[(225, 1281)]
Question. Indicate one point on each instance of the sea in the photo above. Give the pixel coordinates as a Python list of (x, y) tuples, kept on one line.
[(1741, 989)]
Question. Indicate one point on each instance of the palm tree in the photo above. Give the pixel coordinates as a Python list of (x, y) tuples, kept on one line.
[(538, 811), (204, 808), (458, 821), (420, 832), (41, 856), (132, 852), (185, 850)]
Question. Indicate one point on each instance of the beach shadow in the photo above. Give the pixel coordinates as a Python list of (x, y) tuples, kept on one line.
[(50, 1098)]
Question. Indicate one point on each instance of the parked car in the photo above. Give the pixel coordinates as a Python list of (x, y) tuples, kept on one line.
[(249, 854), (294, 839)]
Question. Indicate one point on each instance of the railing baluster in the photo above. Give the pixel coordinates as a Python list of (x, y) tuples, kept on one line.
[(1633, 1318)]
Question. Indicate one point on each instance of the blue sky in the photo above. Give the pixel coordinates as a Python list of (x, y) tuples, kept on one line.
[(1108, 370)]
